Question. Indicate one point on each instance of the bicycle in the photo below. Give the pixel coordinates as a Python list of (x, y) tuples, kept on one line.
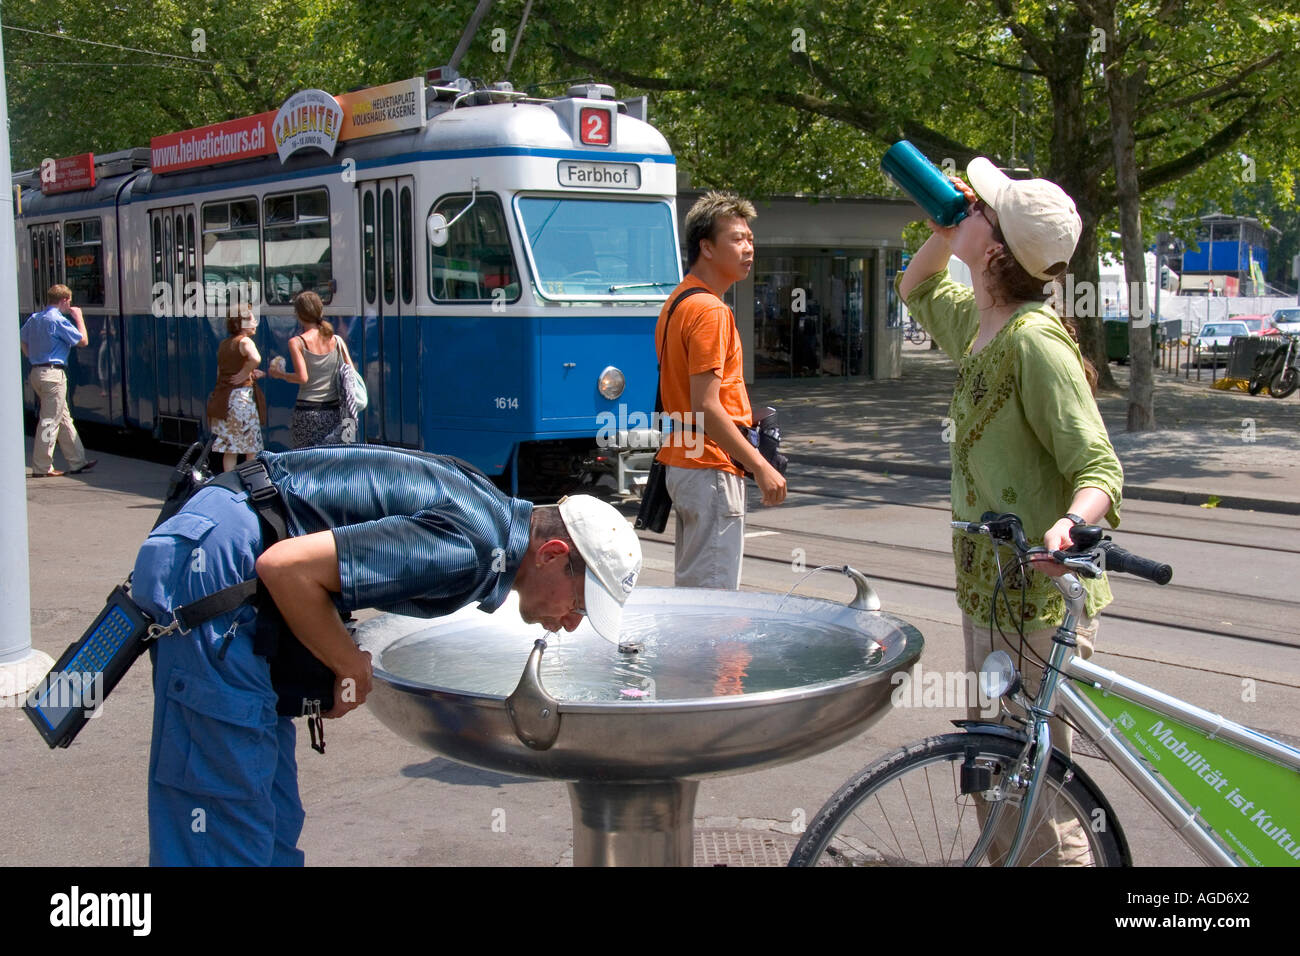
[(1000, 795), (913, 332)]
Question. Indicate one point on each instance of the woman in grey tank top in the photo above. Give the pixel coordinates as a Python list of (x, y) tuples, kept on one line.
[(317, 354)]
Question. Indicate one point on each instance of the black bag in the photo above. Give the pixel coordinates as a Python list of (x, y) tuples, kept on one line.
[(303, 685), (765, 435), (190, 474), (656, 503)]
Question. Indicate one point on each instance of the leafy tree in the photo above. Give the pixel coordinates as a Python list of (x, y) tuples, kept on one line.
[(1185, 87)]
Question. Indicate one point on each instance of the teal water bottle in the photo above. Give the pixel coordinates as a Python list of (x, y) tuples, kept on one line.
[(925, 183)]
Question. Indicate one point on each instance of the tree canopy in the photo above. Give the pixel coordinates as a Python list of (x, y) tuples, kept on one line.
[(766, 98)]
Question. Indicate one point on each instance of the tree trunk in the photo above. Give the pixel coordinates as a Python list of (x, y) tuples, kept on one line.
[(1081, 284), (1122, 95)]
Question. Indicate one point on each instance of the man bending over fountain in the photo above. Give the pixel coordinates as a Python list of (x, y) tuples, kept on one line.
[(368, 527)]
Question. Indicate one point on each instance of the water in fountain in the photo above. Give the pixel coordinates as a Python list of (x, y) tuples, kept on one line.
[(686, 655)]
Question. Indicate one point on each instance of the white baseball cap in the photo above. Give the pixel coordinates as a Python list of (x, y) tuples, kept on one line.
[(1036, 216), (612, 553)]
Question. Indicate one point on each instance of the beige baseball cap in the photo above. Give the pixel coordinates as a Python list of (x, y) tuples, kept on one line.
[(612, 553), (1037, 217)]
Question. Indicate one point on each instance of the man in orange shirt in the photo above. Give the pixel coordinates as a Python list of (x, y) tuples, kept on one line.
[(702, 377)]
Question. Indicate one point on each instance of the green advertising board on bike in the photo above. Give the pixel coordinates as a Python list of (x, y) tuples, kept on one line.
[(1251, 802)]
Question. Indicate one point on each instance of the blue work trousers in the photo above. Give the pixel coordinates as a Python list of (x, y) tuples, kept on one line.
[(223, 779)]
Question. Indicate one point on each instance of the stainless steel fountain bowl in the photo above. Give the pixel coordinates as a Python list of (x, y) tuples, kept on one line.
[(698, 717)]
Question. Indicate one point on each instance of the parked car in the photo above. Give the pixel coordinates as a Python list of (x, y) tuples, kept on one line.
[(1287, 320), (1215, 338), (1258, 324)]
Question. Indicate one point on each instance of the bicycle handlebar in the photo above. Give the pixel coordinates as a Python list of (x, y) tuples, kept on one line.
[(1117, 559), (1091, 554)]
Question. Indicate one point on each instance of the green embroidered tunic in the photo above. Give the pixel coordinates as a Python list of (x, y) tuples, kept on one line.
[(1026, 435)]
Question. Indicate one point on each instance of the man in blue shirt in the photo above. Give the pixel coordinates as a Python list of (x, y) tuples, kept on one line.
[(47, 338), (368, 527)]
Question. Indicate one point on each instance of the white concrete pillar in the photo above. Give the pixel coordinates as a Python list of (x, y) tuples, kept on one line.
[(20, 666)]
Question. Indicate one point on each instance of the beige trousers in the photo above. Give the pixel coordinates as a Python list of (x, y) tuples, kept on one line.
[(1059, 841), (54, 422), (710, 509)]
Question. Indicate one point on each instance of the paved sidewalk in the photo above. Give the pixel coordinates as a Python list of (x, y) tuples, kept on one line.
[(1243, 450)]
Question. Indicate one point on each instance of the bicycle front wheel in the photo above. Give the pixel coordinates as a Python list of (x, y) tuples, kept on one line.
[(926, 805)]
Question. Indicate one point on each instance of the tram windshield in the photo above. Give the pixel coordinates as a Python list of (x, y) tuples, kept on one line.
[(600, 248)]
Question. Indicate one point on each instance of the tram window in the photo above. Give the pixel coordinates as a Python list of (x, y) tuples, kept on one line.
[(407, 240), (191, 256), (83, 261), (178, 270), (368, 245), (476, 260), (600, 247), (157, 250), (231, 252), (297, 239), (387, 235), (38, 294)]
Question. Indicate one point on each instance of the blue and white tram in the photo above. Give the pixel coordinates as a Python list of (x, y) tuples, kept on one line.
[(497, 268)]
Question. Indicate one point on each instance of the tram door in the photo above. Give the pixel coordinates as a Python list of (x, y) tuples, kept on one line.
[(184, 358), (393, 345), (47, 261)]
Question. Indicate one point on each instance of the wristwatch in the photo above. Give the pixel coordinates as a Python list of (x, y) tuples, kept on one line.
[(1075, 518)]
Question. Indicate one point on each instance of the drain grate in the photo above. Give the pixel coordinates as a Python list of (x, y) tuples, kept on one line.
[(730, 847)]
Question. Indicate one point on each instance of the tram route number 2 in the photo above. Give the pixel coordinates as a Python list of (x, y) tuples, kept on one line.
[(594, 123), (503, 403)]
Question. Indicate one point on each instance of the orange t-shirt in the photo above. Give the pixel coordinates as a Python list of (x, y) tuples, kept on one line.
[(703, 338)]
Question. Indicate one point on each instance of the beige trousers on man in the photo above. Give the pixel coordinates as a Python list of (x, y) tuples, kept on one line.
[(1059, 841), (54, 424), (710, 509)]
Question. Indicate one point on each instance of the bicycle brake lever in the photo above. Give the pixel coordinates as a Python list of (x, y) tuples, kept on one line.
[(1088, 563)]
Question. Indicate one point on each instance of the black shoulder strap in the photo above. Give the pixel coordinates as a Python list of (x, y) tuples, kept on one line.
[(659, 393), (265, 499)]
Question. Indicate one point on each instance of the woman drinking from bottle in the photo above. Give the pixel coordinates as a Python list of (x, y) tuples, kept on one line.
[(1027, 435)]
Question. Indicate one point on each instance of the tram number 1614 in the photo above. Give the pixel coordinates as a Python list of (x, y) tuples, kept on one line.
[(503, 403)]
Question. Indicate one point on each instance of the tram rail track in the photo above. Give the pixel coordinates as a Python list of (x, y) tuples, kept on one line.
[(1251, 619), (1246, 526)]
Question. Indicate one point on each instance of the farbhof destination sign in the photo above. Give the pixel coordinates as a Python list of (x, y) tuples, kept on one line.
[(599, 175)]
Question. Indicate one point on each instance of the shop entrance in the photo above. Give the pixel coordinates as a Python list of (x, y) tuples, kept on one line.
[(812, 314)]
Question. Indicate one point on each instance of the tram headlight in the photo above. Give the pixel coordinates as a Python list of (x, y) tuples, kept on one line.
[(611, 383)]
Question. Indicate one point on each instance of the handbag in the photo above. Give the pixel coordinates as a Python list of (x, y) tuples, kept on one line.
[(352, 387), (765, 435), (656, 503)]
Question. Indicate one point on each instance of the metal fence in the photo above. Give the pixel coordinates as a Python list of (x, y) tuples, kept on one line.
[(1180, 356)]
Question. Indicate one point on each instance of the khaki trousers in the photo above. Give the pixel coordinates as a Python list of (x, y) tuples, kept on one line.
[(1059, 841), (54, 423), (710, 509)]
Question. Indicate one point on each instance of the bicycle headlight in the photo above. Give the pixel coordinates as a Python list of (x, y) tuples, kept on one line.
[(611, 383), (998, 676)]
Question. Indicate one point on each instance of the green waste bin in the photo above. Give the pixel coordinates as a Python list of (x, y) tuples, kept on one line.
[(1117, 339)]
